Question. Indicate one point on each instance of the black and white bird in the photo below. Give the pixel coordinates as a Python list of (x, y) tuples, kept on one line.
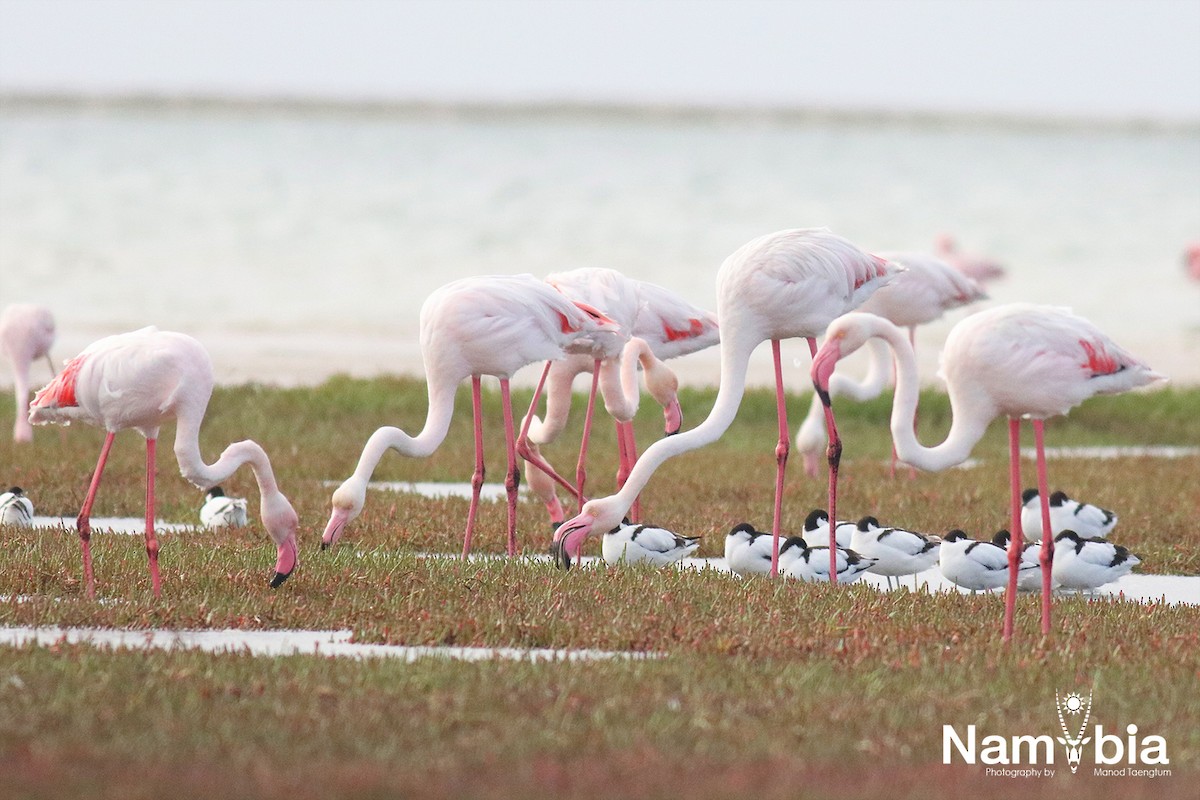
[(896, 551), (748, 552), (16, 509), (220, 511), (1083, 563), (972, 564), (1029, 574), (816, 528), (1066, 514), (811, 564), (631, 544)]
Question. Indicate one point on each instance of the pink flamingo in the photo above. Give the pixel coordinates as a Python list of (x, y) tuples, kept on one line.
[(926, 290), (491, 325), (1017, 360), (665, 326), (140, 380), (974, 266), (26, 334), (1191, 261), (782, 285)]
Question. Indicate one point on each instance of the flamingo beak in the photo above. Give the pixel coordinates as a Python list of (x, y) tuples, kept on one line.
[(672, 417), (285, 564), (568, 539), (337, 524), (823, 365)]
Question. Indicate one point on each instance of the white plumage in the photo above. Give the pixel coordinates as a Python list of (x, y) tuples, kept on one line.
[(972, 564), (220, 511), (16, 509), (1029, 574), (1066, 514), (631, 544), (896, 551), (816, 528), (811, 564), (1081, 563), (748, 552)]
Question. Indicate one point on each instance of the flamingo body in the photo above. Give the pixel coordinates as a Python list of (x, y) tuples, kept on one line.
[(26, 334)]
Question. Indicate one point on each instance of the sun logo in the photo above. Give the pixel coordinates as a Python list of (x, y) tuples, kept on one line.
[(1073, 704)]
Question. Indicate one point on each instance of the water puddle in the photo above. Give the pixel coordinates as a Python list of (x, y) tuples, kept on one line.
[(1112, 452), (286, 643), (436, 489), (113, 524)]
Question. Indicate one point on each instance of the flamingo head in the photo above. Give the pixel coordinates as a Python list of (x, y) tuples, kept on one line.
[(347, 503), (844, 335), (281, 522), (595, 518)]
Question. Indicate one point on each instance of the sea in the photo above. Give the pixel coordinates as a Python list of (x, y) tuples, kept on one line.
[(298, 240)]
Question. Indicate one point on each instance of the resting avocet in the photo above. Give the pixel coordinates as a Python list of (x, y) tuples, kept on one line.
[(630, 543), (896, 551), (972, 564), (811, 564), (748, 552), (1081, 563), (1029, 574), (15, 508), (220, 511), (816, 528), (1066, 514)]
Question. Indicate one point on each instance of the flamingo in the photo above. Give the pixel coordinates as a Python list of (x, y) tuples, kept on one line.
[(26, 334), (974, 266), (782, 285), (664, 326), (490, 325), (1191, 260), (140, 380), (923, 293), (1017, 360)]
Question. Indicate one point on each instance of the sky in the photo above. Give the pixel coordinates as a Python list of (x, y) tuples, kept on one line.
[(1110, 58)]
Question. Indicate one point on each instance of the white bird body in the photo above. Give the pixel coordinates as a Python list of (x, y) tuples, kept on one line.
[(26, 334), (220, 511), (489, 325), (632, 544), (140, 380), (782, 285), (816, 528), (748, 551), (1085, 519), (896, 551), (1081, 563), (1029, 574), (972, 564), (811, 564), (16, 509)]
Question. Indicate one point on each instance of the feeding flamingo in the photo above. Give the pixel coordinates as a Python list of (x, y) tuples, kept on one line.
[(26, 334), (926, 290), (491, 325), (1017, 360), (665, 326), (973, 265), (778, 286), (141, 380)]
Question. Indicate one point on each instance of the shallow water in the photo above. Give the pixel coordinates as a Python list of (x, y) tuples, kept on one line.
[(114, 525)]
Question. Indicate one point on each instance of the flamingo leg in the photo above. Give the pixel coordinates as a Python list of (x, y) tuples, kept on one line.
[(83, 521), (512, 478), (1047, 553), (523, 447), (477, 477), (151, 539), (781, 457), (581, 465), (1017, 541), (834, 455)]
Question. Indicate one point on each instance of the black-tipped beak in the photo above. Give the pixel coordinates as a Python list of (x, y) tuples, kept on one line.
[(279, 578), (824, 395), (562, 559), (324, 546)]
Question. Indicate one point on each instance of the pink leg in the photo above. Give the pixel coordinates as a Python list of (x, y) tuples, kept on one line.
[(1017, 542), (83, 521), (151, 539), (523, 448), (512, 479), (581, 465), (477, 477), (1047, 553), (781, 457), (834, 456)]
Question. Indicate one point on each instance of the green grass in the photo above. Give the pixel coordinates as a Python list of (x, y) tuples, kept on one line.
[(766, 689)]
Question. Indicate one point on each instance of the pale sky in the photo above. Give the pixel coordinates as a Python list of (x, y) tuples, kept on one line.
[(1115, 58)]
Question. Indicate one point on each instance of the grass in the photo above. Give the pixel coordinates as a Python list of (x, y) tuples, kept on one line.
[(767, 689)]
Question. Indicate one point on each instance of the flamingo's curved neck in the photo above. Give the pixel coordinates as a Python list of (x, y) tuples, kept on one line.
[(969, 419), (437, 424), (193, 468)]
